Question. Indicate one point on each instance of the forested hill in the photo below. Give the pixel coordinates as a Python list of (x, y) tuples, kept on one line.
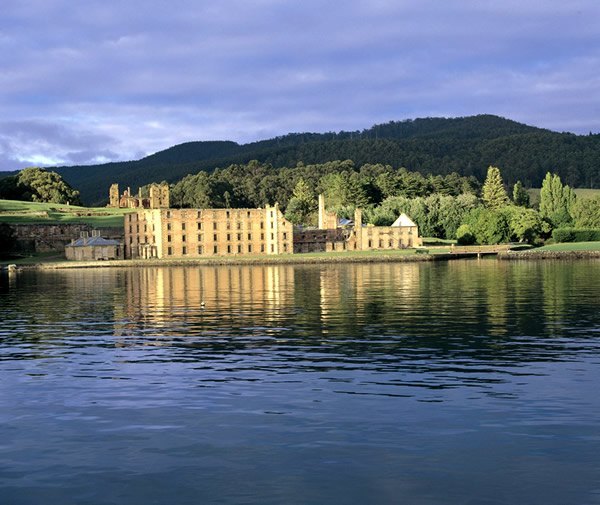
[(431, 146)]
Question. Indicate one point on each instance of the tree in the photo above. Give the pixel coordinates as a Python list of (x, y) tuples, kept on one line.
[(38, 185), (302, 205), (520, 195), (586, 212), (556, 201), (493, 193)]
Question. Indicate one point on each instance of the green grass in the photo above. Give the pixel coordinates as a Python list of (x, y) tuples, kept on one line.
[(17, 212), (585, 193), (572, 246)]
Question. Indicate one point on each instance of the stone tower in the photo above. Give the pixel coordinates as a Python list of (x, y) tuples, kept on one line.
[(113, 196)]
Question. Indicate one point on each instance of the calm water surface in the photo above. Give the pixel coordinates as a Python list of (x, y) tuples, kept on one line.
[(460, 383)]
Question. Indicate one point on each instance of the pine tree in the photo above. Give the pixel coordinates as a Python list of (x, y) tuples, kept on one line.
[(493, 193)]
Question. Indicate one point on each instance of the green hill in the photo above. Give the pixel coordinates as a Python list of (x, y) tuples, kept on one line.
[(465, 145)]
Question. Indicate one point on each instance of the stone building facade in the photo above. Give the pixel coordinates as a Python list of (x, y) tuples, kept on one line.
[(192, 233), (87, 248), (158, 198), (332, 236)]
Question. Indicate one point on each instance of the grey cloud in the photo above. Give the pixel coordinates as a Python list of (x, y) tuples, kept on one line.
[(137, 77)]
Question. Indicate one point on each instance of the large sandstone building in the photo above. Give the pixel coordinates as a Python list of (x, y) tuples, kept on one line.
[(189, 233)]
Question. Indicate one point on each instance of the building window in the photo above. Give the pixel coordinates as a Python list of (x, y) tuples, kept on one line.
[(271, 213), (380, 243), (169, 251), (284, 235), (262, 247), (284, 247), (200, 249), (215, 249), (228, 225), (239, 236), (183, 238), (262, 236), (370, 243), (249, 236), (248, 214), (249, 248), (227, 214), (168, 238), (272, 247), (130, 229), (272, 225), (199, 226), (184, 250), (214, 226), (199, 215), (228, 249), (229, 237), (168, 214), (145, 228), (239, 226), (169, 226), (215, 237), (272, 236), (239, 248), (183, 226), (199, 237), (262, 225)]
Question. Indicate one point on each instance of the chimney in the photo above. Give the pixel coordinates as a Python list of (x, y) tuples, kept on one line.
[(321, 211)]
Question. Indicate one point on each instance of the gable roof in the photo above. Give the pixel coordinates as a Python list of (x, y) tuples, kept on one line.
[(93, 241), (404, 220)]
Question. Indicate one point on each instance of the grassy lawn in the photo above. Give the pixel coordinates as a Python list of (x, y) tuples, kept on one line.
[(534, 194), (572, 246), (13, 211)]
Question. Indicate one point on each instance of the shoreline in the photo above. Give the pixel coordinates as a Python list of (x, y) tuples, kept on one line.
[(225, 261), (298, 259)]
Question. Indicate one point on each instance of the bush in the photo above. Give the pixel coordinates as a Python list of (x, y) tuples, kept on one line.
[(576, 235), (464, 235)]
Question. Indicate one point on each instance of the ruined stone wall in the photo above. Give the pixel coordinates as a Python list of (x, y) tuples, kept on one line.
[(54, 237)]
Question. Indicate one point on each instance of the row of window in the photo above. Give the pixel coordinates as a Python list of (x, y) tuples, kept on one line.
[(228, 237), (230, 249)]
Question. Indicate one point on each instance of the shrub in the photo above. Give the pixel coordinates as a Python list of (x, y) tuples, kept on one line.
[(464, 235), (576, 235)]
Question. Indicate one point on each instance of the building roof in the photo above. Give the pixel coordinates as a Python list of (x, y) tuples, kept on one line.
[(404, 220), (93, 241)]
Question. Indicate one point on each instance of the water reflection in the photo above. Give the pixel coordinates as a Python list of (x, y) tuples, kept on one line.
[(464, 382)]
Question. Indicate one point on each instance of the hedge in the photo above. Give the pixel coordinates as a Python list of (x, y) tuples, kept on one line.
[(576, 235)]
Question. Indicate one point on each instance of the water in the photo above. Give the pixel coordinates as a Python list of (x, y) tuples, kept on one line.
[(470, 382)]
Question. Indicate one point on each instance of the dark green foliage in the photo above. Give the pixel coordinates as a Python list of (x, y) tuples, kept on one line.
[(38, 185), (520, 195), (489, 226), (464, 235), (432, 146), (8, 240), (576, 235)]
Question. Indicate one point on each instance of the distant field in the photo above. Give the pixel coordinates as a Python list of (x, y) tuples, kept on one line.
[(534, 194), (572, 246), (13, 211)]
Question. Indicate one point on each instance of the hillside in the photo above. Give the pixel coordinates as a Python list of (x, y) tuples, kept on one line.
[(431, 145)]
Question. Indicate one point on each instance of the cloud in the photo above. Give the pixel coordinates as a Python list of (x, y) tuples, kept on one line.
[(99, 80)]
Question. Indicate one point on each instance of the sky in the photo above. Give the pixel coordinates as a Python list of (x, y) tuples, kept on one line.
[(94, 81)]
